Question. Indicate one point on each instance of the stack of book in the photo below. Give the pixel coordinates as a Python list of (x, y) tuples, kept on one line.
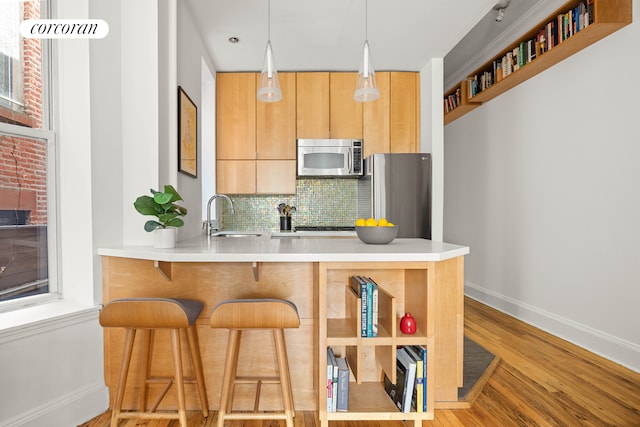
[(409, 393), (367, 291), (337, 382), (452, 101)]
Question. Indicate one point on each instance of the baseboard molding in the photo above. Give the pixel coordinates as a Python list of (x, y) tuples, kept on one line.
[(608, 346), (68, 410)]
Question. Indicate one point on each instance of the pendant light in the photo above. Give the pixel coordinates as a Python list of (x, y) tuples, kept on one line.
[(366, 86), (269, 86)]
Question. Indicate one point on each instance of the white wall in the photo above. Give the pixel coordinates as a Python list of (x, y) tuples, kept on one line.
[(432, 137), (541, 183), (192, 57)]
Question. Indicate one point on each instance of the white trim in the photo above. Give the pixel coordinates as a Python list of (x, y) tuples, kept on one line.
[(606, 345), (65, 409), (44, 318)]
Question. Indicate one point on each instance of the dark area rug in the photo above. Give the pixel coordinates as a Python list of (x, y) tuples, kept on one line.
[(478, 365)]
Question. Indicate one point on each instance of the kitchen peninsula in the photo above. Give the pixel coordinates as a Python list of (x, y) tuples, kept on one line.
[(418, 276)]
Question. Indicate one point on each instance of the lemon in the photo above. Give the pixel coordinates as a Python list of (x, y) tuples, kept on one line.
[(371, 222), (382, 222), (360, 222), (389, 224)]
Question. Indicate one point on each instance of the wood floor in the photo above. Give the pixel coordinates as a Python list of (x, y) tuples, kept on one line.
[(541, 380)]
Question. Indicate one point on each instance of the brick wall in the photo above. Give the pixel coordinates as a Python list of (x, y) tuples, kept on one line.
[(32, 69), (23, 160), (23, 186)]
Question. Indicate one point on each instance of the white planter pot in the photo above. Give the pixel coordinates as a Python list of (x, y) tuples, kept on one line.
[(164, 238)]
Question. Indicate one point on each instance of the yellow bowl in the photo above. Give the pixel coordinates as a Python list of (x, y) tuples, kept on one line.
[(378, 235)]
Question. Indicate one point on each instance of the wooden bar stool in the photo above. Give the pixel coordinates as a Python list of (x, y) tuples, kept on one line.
[(148, 315), (243, 314)]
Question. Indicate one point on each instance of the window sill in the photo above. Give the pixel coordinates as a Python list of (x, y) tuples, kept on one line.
[(44, 317)]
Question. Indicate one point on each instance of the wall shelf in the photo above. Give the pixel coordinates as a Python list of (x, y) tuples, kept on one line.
[(606, 16), (464, 104)]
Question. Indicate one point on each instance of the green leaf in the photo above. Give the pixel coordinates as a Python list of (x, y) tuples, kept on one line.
[(168, 189), (162, 198), (152, 225), (147, 206), (175, 222)]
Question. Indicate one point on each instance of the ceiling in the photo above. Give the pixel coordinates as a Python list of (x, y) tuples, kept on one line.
[(328, 35)]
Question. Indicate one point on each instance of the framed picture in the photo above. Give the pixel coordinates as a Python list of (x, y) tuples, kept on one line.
[(187, 134)]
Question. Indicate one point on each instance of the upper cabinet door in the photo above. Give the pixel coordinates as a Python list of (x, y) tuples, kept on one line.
[(276, 123), (345, 114), (375, 119), (312, 93), (405, 112), (236, 116)]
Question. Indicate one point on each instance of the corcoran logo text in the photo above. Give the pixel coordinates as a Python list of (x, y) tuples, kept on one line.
[(64, 28)]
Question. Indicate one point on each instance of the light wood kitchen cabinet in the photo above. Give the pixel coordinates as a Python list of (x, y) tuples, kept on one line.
[(375, 118), (250, 134), (235, 116), (275, 177), (255, 139), (312, 105), (345, 114), (325, 106), (276, 123), (404, 112), (236, 176)]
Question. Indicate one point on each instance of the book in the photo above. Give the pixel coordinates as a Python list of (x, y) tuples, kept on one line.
[(418, 390), (409, 367), (374, 307), (332, 384), (343, 384), (395, 390), (369, 308), (360, 287), (418, 400)]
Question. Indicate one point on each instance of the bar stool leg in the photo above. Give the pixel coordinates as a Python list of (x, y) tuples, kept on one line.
[(229, 376), (197, 367), (179, 379), (285, 377), (124, 371), (145, 356)]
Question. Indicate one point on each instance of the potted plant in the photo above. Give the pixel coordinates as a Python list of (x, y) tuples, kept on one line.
[(162, 205)]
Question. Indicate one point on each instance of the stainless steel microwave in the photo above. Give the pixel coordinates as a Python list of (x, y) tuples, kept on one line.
[(330, 158)]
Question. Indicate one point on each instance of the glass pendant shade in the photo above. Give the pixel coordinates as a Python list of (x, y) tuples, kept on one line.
[(269, 86), (366, 86)]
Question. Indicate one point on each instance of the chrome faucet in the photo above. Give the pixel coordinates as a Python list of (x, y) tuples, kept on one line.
[(212, 225)]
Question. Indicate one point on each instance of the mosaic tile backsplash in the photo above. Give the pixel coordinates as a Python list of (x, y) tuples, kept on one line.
[(317, 201)]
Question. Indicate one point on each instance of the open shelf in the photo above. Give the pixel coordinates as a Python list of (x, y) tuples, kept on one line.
[(462, 104), (401, 286), (605, 17)]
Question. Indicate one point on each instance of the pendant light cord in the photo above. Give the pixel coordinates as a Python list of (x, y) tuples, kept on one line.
[(366, 20), (269, 20)]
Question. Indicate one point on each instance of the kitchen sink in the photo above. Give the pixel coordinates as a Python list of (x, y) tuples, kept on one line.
[(237, 234)]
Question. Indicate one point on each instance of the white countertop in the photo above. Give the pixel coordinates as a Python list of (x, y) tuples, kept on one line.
[(282, 249)]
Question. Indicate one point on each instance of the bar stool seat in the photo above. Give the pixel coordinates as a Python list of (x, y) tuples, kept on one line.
[(148, 315), (253, 314)]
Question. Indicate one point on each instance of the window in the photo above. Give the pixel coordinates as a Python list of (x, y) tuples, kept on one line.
[(27, 155)]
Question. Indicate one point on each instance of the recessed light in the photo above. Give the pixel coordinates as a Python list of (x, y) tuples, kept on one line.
[(233, 40)]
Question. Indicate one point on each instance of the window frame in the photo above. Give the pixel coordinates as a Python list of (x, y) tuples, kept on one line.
[(47, 134), (52, 224)]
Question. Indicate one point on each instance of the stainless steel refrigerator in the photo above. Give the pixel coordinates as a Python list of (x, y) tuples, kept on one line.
[(397, 187)]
